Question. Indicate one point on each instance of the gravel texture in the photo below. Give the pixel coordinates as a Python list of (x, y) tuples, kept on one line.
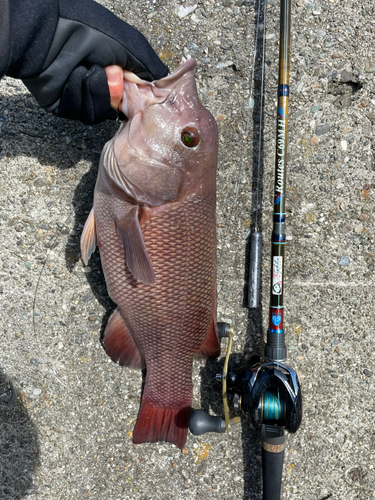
[(66, 411)]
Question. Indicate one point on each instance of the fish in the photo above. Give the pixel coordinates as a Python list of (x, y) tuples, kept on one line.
[(153, 219)]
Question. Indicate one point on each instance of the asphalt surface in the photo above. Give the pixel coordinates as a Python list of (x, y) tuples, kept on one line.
[(66, 411)]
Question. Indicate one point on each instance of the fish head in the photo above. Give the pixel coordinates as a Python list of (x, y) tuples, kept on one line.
[(168, 148)]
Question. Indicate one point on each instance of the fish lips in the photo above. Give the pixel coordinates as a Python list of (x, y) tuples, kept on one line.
[(172, 78), (138, 94)]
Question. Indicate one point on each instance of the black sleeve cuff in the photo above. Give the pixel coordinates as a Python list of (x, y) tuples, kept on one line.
[(32, 28), (60, 47)]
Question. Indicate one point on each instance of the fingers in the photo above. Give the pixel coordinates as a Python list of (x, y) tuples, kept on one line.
[(115, 84)]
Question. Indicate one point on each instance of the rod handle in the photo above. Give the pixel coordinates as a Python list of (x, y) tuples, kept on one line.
[(273, 446)]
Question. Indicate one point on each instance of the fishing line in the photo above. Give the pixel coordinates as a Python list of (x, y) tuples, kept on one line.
[(273, 406), (267, 392), (53, 242)]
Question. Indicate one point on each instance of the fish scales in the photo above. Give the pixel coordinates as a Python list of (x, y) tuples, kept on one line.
[(183, 291), (167, 316), (178, 308)]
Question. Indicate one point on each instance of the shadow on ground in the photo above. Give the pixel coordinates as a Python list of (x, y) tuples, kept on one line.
[(254, 343), (19, 447), (63, 144), (53, 141)]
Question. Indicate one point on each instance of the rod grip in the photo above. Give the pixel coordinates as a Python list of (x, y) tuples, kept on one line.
[(273, 446), (254, 272)]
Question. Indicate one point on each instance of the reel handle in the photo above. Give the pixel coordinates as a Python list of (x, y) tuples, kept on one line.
[(273, 446), (201, 422)]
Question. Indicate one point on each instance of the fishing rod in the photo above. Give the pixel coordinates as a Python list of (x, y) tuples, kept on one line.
[(268, 393)]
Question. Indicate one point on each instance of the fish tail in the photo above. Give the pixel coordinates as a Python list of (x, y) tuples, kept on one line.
[(157, 423)]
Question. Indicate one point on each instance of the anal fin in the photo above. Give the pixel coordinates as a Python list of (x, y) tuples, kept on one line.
[(119, 344), (88, 238)]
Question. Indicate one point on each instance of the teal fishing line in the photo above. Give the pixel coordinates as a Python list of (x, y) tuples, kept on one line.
[(273, 405)]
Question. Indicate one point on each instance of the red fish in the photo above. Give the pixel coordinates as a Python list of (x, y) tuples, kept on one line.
[(154, 222)]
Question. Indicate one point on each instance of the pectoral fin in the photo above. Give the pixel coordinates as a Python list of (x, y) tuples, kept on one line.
[(137, 258), (88, 238)]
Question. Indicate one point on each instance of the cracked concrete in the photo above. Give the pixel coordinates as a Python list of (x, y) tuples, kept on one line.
[(66, 411)]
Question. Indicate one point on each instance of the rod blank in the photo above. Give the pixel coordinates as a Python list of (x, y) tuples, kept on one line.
[(255, 265)]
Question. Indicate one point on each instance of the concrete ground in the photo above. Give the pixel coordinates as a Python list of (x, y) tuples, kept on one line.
[(66, 411)]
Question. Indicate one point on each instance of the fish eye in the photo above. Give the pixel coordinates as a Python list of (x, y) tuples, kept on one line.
[(190, 137)]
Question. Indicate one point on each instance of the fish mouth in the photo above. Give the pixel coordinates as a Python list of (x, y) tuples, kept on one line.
[(184, 68), (140, 93)]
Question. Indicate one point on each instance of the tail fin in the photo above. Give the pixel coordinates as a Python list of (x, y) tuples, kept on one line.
[(156, 423)]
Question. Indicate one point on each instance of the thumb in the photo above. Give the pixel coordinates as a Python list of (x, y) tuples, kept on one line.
[(115, 84)]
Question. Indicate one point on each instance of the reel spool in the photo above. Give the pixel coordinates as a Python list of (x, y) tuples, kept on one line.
[(272, 407)]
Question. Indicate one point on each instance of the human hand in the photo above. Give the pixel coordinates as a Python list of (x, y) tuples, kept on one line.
[(61, 60), (115, 78)]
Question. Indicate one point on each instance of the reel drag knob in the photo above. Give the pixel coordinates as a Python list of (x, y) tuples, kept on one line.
[(201, 422)]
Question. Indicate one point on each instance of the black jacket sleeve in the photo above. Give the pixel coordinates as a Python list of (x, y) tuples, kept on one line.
[(59, 48)]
